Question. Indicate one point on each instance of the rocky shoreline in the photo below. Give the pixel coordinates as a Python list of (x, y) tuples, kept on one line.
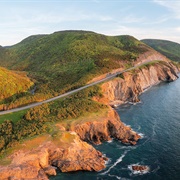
[(71, 151), (43, 161), (111, 127), (128, 88)]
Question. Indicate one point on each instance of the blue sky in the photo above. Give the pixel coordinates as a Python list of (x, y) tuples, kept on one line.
[(158, 19)]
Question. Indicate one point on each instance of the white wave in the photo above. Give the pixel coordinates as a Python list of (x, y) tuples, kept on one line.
[(114, 176), (127, 147), (153, 128), (117, 177), (110, 141), (139, 128), (134, 103), (108, 161), (141, 134), (117, 162), (131, 103)]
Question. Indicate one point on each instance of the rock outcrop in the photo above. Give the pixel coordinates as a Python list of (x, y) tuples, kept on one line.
[(132, 84), (78, 156), (69, 154), (140, 168), (111, 127)]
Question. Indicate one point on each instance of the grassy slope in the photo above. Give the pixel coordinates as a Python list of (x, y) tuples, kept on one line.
[(12, 83), (168, 48)]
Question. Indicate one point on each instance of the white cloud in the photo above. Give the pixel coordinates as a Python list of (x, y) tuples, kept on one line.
[(159, 20), (150, 33), (132, 19), (172, 5)]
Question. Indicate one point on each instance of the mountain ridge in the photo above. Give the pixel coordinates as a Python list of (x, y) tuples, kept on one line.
[(168, 48)]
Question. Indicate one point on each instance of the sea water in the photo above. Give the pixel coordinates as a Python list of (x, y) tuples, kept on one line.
[(157, 120)]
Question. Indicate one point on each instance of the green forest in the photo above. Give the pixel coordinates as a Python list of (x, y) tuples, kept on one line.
[(40, 119)]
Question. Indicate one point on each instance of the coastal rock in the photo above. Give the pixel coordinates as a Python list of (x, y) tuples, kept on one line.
[(78, 156), (50, 171), (98, 131), (69, 154), (140, 168), (132, 84), (22, 171)]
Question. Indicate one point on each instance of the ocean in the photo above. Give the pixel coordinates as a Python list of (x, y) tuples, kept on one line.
[(157, 119)]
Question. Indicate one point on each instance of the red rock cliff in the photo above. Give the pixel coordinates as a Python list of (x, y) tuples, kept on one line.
[(111, 127), (69, 153), (132, 84)]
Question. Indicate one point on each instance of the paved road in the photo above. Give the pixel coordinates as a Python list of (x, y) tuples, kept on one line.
[(110, 76)]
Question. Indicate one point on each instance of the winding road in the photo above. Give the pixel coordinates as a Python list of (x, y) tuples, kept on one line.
[(108, 77)]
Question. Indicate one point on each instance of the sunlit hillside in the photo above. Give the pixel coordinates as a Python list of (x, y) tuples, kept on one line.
[(12, 83)]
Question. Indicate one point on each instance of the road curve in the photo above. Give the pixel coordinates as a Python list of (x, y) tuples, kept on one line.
[(110, 76)]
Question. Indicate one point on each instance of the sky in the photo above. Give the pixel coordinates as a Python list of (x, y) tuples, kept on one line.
[(154, 19)]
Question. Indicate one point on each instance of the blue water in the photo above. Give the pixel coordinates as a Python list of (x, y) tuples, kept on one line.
[(157, 117)]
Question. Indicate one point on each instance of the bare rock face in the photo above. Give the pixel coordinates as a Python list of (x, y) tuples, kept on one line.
[(150, 56), (71, 155), (98, 131), (128, 88), (78, 156)]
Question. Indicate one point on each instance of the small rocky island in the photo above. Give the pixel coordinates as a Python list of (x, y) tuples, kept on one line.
[(140, 168)]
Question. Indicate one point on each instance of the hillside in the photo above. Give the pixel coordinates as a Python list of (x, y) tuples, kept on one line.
[(12, 83), (167, 48), (65, 60)]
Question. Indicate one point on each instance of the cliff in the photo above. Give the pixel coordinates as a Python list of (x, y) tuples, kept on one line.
[(67, 153), (110, 127), (131, 84)]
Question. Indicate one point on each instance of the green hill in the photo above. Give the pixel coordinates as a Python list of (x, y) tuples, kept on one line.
[(168, 48), (65, 60), (70, 58)]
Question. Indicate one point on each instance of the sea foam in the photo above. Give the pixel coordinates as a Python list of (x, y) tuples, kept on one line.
[(117, 162)]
